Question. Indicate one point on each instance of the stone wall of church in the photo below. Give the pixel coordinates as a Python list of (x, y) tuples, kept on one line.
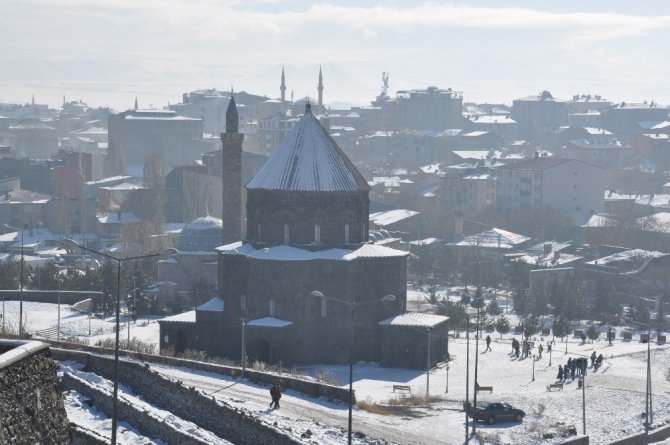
[(319, 334), (302, 211)]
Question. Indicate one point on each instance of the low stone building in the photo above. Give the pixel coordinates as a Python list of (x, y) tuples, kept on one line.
[(31, 405)]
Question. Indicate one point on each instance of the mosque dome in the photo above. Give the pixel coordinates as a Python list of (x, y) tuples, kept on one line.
[(201, 235)]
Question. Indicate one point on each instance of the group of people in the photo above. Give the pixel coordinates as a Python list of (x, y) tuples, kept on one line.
[(578, 366)]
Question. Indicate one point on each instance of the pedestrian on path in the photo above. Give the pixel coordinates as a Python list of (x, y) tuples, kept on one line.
[(275, 392)]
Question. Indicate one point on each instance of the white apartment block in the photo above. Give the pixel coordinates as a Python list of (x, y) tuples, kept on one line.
[(568, 184)]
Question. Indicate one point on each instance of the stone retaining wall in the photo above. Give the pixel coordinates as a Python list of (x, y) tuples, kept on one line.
[(31, 404), (578, 440), (143, 422), (50, 296), (83, 436), (310, 388), (226, 422), (639, 439)]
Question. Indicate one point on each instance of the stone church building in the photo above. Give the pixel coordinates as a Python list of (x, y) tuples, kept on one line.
[(307, 230)]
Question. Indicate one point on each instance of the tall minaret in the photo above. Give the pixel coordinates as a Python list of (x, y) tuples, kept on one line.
[(320, 88), (232, 175), (282, 88), (136, 103)]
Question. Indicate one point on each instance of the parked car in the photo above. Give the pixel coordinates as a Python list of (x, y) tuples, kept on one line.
[(496, 412)]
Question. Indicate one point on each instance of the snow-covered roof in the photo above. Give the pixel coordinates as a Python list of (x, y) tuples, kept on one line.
[(416, 319), (630, 261), (494, 238), (308, 159), (213, 305), (184, 317), (389, 217), (123, 186), (389, 181), (425, 241), (117, 217), (289, 253), (269, 322), (658, 222)]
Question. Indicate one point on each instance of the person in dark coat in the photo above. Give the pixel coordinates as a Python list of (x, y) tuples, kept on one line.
[(593, 358), (573, 365), (275, 393), (488, 343), (560, 373)]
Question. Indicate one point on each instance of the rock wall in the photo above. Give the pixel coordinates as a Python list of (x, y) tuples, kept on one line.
[(224, 421), (31, 404), (310, 388), (148, 425)]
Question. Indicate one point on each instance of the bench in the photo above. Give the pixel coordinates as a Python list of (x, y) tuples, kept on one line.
[(485, 388), (558, 386), (402, 388)]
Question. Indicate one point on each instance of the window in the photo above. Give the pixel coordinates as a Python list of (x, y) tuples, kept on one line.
[(317, 234), (243, 302), (346, 234), (286, 234), (167, 339), (324, 308), (272, 308)]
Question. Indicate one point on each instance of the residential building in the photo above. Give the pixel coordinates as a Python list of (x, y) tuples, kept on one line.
[(567, 184)]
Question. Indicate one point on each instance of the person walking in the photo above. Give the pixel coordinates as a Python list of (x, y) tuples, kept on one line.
[(560, 373), (275, 393), (488, 343), (540, 348)]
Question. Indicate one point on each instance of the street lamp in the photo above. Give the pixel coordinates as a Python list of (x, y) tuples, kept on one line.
[(7, 226), (73, 244), (479, 299), (352, 307), (648, 415)]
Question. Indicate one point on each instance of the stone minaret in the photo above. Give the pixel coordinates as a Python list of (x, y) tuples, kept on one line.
[(232, 175), (320, 88), (282, 88)]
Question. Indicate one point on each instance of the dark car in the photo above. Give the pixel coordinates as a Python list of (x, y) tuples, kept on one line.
[(496, 412)]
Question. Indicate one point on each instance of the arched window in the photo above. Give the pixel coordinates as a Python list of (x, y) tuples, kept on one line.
[(346, 234), (317, 234), (286, 234), (272, 308), (324, 308), (243, 302)]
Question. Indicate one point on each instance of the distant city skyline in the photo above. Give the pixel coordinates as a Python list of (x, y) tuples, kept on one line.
[(106, 54)]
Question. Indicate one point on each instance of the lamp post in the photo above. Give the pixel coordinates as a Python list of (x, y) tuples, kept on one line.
[(648, 414), (584, 404), (428, 365), (58, 324), (20, 281), (73, 244), (479, 300), (352, 307)]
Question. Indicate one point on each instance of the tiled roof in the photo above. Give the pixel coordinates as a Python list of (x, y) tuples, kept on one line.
[(308, 159)]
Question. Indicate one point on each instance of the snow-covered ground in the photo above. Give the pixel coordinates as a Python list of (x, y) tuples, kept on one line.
[(615, 394)]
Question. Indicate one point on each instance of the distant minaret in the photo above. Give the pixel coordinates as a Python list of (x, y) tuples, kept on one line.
[(320, 105), (64, 101), (136, 102), (32, 102), (232, 175), (282, 88)]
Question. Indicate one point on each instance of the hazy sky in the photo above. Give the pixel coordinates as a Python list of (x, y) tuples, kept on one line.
[(108, 52)]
